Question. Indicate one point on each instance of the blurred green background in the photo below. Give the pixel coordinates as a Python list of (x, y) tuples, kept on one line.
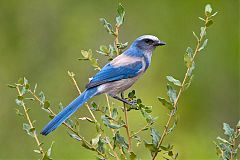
[(41, 40)]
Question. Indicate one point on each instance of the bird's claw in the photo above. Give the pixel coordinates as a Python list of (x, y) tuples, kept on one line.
[(133, 102)]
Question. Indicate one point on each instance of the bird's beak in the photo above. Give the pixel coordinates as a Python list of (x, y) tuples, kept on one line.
[(159, 43)]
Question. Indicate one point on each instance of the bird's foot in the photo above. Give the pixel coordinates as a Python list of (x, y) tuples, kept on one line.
[(133, 102)]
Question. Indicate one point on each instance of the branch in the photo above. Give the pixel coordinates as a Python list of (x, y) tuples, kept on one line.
[(175, 106), (116, 38), (66, 125), (30, 123), (127, 125), (71, 74)]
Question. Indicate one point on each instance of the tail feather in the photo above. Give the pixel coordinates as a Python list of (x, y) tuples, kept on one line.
[(69, 110)]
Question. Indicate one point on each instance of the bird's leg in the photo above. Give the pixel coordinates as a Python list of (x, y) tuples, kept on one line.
[(123, 100)]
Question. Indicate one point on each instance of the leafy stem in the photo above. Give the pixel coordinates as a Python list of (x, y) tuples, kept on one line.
[(127, 125), (72, 76), (200, 45), (116, 38), (66, 125), (30, 123)]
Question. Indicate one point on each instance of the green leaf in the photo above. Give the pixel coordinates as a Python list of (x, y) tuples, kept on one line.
[(104, 49), (120, 15), (203, 45), (94, 106), (42, 97), (147, 116), (11, 86), (29, 130), (25, 81), (27, 86), (107, 25), (32, 99), (238, 124), (194, 34), (70, 123), (46, 104), (120, 141), (209, 23), (122, 45), (94, 63), (168, 148), (223, 140), (45, 157), (172, 94), (49, 151), (101, 146), (85, 54), (95, 140), (35, 88), (202, 19), (37, 151), (87, 118), (24, 90), (133, 156), (109, 124), (202, 31), (189, 51), (173, 126), (20, 98), (73, 135), (19, 103), (131, 94), (214, 14), (166, 103), (228, 130), (170, 153), (20, 81), (155, 136), (208, 10), (191, 69), (85, 145), (188, 57), (174, 81), (114, 113), (187, 85), (151, 147)]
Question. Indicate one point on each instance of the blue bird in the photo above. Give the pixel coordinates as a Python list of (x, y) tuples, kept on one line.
[(115, 77)]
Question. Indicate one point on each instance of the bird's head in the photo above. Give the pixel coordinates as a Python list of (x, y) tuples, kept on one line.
[(147, 42)]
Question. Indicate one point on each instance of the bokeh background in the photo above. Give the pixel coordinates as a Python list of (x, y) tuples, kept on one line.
[(41, 40)]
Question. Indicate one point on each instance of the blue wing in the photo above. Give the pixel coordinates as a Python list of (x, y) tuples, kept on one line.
[(110, 73)]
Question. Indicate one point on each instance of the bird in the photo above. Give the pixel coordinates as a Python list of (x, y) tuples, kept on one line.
[(114, 78)]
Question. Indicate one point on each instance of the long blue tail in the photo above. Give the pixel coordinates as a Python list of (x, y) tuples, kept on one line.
[(69, 110)]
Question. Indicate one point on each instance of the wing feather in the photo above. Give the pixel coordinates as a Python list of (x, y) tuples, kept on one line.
[(110, 73)]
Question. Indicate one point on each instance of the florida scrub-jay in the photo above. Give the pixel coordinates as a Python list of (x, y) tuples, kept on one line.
[(115, 77)]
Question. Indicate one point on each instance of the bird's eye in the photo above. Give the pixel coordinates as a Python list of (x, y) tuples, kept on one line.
[(148, 41)]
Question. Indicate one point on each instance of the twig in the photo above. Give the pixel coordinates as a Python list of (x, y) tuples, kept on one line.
[(116, 38), (30, 123), (127, 125), (233, 146), (175, 106), (132, 135), (86, 104), (79, 91), (109, 106), (66, 125)]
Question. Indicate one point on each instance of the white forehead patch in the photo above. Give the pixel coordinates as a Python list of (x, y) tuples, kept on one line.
[(154, 38)]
